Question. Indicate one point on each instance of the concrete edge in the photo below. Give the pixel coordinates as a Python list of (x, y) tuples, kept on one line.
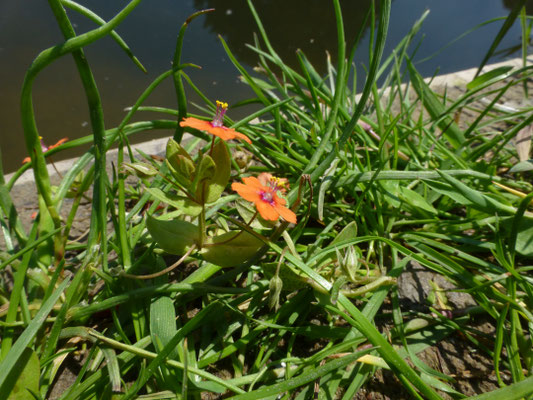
[(154, 146), (467, 75)]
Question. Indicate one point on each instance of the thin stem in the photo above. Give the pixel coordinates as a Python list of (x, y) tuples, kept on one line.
[(201, 219), (247, 227), (163, 272)]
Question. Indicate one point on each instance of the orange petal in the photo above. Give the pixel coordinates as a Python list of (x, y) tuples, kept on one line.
[(266, 210), (59, 142), (286, 213), (239, 135), (26, 160), (279, 200), (254, 182), (221, 132), (246, 192), (264, 178), (196, 123)]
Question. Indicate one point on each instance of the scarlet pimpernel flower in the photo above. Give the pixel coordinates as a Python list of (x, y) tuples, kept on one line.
[(263, 192), (216, 126), (45, 148)]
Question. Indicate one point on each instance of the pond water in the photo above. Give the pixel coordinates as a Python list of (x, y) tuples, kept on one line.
[(27, 27)]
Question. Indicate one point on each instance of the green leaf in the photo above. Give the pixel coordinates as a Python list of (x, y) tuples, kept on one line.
[(391, 192), (231, 252), (173, 149), (415, 200), (173, 236), (516, 391), (437, 384), (495, 74), (477, 198), (45, 250), (9, 363), (291, 280), (179, 162), (139, 169), (112, 368), (523, 166), (185, 205), (28, 367), (524, 238), (205, 172), (448, 190), (220, 179), (163, 322), (179, 177), (349, 232)]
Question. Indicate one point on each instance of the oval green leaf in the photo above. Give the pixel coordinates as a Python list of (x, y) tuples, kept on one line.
[(231, 252), (173, 236)]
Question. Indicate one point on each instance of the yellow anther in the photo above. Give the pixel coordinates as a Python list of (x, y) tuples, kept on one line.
[(281, 184), (222, 104)]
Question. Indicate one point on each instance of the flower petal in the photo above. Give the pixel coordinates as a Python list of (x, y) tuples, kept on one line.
[(221, 132), (239, 135), (264, 178), (246, 192), (285, 213), (266, 210), (59, 142), (254, 182), (279, 200), (196, 123)]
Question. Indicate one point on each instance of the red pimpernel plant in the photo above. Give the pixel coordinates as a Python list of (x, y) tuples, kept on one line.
[(195, 184)]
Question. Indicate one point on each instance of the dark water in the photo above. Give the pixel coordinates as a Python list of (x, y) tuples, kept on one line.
[(27, 27)]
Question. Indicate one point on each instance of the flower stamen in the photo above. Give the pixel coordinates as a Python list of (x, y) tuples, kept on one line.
[(218, 119)]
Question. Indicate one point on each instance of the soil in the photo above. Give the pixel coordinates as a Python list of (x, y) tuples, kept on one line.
[(454, 356)]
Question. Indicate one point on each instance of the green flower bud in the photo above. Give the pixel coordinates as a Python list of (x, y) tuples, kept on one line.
[(275, 286)]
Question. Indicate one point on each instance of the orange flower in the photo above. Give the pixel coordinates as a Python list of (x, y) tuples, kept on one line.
[(45, 148), (216, 126), (263, 193)]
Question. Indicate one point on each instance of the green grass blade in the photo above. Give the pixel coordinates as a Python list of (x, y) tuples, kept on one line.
[(435, 108), (116, 37), (508, 23), (26, 337), (304, 378), (177, 76), (515, 391)]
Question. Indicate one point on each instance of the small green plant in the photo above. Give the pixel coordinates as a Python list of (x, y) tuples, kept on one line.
[(194, 185)]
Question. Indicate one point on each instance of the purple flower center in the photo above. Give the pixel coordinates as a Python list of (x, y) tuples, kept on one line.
[(267, 197)]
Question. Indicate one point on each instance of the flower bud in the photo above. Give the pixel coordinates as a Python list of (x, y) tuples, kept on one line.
[(275, 286)]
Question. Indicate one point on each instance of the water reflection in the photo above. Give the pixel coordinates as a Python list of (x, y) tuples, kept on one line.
[(308, 25), (27, 27)]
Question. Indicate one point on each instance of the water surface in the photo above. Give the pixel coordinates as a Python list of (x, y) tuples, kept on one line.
[(27, 27)]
